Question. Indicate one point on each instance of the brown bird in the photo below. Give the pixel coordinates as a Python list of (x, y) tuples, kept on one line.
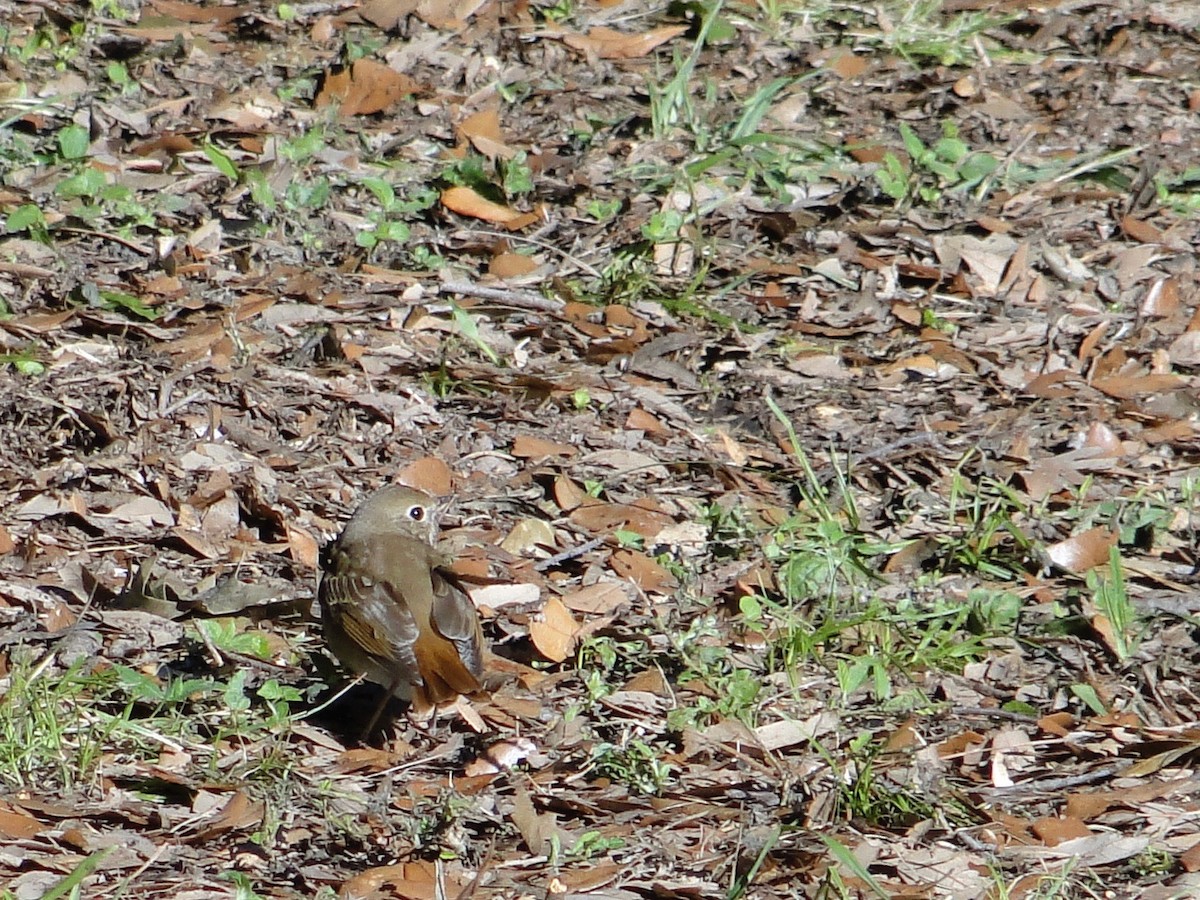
[(390, 609)]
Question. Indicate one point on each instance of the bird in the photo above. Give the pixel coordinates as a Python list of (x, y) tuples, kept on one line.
[(392, 611)]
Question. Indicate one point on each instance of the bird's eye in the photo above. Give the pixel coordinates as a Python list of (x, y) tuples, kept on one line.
[(416, 513)]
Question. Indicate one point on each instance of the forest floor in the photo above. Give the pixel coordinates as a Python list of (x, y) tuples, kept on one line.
[(814, 386)]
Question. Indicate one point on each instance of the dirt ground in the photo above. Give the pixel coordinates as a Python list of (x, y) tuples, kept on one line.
[(812, 391)]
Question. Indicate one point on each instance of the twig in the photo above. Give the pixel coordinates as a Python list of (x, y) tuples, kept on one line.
[(519, 299), (993, 713), (566, 555), (1054, 785), (108, 236), (527, 239)]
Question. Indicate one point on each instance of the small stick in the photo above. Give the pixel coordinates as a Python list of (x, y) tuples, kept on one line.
[(519, 299)]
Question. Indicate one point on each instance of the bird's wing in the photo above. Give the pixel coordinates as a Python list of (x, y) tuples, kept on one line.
[(456, 619), (376, 618)]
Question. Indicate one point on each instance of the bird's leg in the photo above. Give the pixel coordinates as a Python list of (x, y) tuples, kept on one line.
[(383, 702)]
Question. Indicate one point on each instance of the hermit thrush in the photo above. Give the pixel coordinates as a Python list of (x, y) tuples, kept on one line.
[(391, 611)]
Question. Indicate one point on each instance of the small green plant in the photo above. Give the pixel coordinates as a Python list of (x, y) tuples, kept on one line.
[(663, 226), (1180, 192), (118, 74), (559, 12), (91, 294), (1112, 601), (222, 161), (1153, 862), (673, 104), (981, 533), (43, 737), (882, 790), (634, 763), (516, 178), (948, 165), (509, 178), (230, 635), (703, 650), (469, 328), (30, 219), (602, 210), (388, 218), (591, 844), (110, 9), (24, 361)]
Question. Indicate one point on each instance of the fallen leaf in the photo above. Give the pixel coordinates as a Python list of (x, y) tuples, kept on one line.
[(597, 599), (363, 88), (1083, 551), (605, 43), (527, 446), (429, 474), (528, 534), (553, 633), (468, 202), (497, 596)]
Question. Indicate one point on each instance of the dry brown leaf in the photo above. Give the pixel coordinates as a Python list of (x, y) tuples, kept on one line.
[(648, 681), (1127, 387), (643, 571), (497, 596), (323, 30), (1140, 230), (429, 474), (1083, 551), (538, 830), (56, 616), (1053, 830), (1059, 724), (239, 813), (371, 759), (1190, 859), (468, 202), (1162, 298), (16, 824), (1185, 349), (448, 14), (787, 733), (605, 43), (1086, 806), (1102, 439), (1066, 470), (640, 420), (528, 446), (482, 129), (148, 512), (597, 516), (528, 534), (42, 323), (847, 65), (195, 12), (554, 632), (567, 494), (304, 548), (579, 881), (365, 87), (387, 15), (511, 265), (409, 881), (597, 599)]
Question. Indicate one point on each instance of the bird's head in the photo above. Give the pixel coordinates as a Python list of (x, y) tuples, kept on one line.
[(397, 508)]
